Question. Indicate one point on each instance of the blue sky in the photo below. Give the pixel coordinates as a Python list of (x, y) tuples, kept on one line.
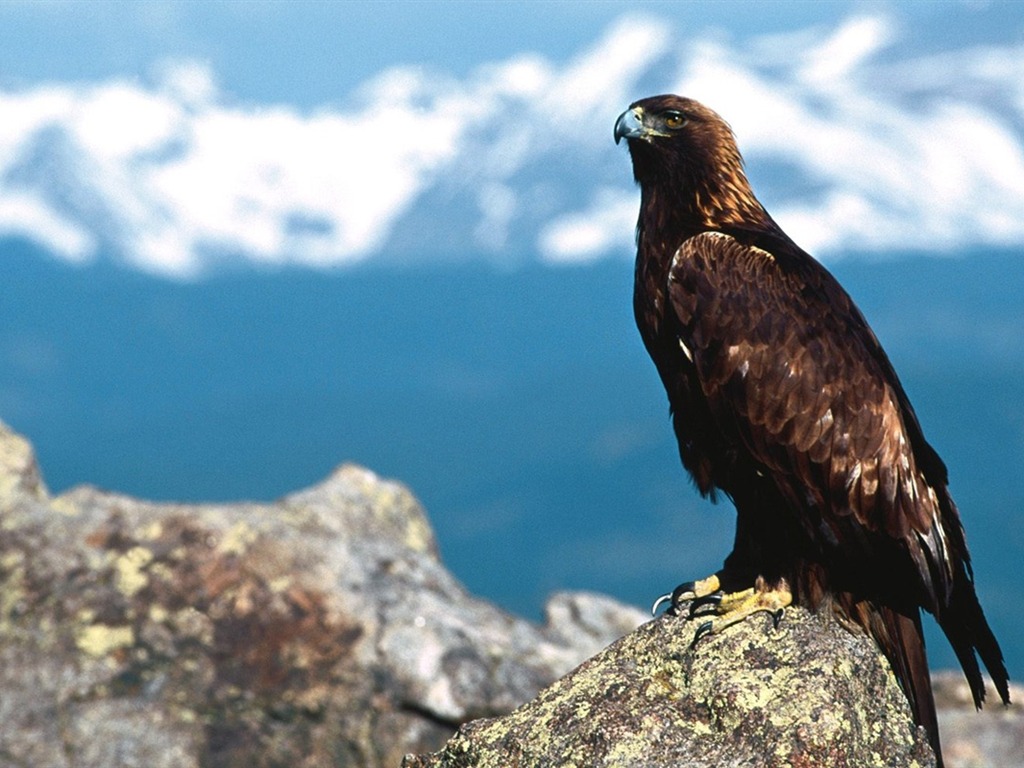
[(175, 136), (308, 53)]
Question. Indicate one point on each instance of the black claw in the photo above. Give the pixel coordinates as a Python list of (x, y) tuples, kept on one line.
[(713, 600), (678, 595), (659, 601), (684, 588), (702, 630)]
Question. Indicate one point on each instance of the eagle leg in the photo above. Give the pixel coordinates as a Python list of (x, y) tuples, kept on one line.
[(688, 590), (735, 607)]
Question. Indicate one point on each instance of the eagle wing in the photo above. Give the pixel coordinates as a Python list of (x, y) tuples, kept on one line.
[(794, 374)]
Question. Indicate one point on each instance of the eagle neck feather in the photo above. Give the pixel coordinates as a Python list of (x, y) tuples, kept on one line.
[(684, 193)]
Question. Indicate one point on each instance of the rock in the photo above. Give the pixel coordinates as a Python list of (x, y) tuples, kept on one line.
[(320, 630), (807, 693), (323, 630), (991, 738)]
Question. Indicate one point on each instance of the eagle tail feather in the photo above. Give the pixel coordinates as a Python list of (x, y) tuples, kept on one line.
[(902, 641), (967, 630)]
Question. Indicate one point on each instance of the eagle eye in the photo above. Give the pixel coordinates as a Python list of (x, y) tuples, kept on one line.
[(674, 119)]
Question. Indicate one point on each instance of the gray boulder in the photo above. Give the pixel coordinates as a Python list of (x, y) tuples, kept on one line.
[(320, 630), (991, 738)]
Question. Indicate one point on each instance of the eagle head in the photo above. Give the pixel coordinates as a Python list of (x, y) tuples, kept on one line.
[(679, 144), (679, 131)]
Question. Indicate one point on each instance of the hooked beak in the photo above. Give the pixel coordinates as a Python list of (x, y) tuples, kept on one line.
[(630, 125)]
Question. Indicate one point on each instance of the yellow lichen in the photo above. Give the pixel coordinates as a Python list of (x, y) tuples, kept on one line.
[(64, 506), (158, 613), (418, 534), (131, 576), (16, 461), (280, 584), (98, 639), (160, 571), (237, 539), (12, 560)]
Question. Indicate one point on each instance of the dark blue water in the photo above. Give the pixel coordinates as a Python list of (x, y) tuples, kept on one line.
[(519, 406)]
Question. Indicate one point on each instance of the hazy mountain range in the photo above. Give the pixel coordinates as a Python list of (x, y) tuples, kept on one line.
[(863, 137)]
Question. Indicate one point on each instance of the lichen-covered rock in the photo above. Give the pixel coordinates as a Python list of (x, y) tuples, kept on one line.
[(807, 693), (321, 630)]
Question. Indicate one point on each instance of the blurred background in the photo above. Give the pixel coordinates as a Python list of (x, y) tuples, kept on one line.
[(243, 242)]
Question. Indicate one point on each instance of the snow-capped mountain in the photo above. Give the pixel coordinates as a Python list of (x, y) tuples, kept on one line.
[(858, 139)]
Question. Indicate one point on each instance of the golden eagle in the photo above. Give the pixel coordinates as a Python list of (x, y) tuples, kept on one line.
[(783, 399)]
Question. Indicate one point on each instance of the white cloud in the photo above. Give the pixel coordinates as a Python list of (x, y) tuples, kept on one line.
[(828, 64), (179, 175), (600, 81), (606, 225), (29, 217), (942, 170), (517, 155)]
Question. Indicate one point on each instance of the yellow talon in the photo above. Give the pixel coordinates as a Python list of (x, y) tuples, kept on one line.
[(690, 590), (705, 587), (735, 607)]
